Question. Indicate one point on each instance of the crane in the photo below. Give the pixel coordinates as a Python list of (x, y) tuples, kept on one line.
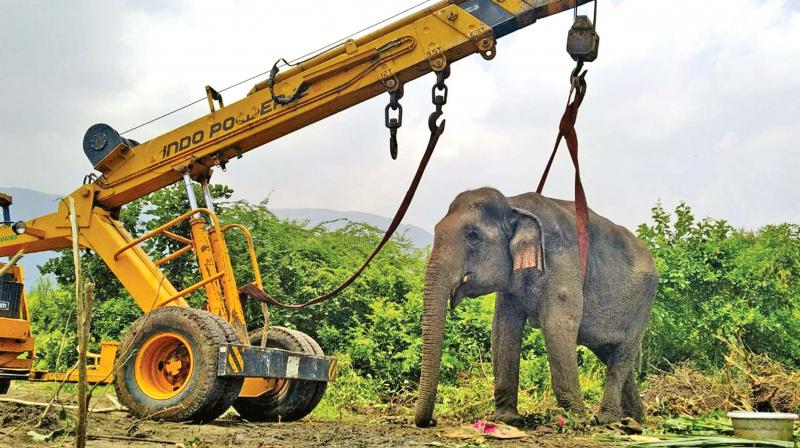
[(179, 363)]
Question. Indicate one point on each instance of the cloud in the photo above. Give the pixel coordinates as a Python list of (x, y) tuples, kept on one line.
[(695, 104)]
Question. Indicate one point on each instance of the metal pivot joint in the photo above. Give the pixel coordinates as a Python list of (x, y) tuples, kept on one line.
[(439, 94), (394, 119)]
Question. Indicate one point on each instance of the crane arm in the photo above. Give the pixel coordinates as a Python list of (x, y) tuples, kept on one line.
[(331, 82), (378, 62)]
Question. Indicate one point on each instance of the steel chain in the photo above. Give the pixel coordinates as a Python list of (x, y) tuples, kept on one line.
[(394, 119), (439, 94), (393, 114)]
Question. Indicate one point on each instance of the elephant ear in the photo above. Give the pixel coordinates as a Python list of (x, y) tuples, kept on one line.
[(527, 242)]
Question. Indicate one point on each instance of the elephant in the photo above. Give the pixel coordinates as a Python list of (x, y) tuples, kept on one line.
[(525, 249)]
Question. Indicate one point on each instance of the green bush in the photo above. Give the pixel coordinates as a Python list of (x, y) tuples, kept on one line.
[(717, 283), (52, 312)]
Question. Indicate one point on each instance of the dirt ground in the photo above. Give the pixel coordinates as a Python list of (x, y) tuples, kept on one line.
[(115, 429)]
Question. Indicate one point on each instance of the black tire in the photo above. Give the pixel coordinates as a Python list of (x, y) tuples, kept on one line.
[(295, 398), (198, 395), (234, 387), (4, 385), (321, 386)]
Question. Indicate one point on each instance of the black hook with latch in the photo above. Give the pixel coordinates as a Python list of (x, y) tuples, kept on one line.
[(394, 122), (393, 115), (439, 97)]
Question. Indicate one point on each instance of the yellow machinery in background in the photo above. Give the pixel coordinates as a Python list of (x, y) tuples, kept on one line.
[(179, 363), (16, 338)]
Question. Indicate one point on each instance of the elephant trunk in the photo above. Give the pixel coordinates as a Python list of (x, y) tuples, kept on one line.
[(436, 294)]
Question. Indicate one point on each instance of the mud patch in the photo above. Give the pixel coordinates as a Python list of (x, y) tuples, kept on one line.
[(116, 429)]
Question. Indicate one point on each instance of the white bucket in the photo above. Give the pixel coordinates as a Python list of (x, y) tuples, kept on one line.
[(763, 425)]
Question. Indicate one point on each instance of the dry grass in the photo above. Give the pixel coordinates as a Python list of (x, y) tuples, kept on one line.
[(748, 381)]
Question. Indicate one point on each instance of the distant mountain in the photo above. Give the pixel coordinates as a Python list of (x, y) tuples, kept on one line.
[(29, 204), (336, 219)]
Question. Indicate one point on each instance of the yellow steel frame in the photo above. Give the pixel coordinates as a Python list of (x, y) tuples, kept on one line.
[(100, 368), (213, 260), (378, 62)]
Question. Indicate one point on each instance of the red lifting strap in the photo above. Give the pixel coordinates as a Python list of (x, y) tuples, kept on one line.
[(567, 132)]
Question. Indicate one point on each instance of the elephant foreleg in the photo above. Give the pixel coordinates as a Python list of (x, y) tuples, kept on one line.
[(509, 320), (560, 322)]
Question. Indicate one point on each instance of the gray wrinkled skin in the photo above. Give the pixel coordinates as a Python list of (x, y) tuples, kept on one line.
[(475, 247)]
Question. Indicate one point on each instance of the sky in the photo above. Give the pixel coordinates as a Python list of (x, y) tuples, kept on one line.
[(694, 101)]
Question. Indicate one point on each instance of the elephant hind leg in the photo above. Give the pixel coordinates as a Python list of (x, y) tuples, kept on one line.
[(621, 388), (631, 399)]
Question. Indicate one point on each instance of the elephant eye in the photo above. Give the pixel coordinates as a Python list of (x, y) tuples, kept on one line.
[(472, 235)]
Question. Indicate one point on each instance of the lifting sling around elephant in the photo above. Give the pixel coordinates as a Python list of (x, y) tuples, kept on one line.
[(525, 249)]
